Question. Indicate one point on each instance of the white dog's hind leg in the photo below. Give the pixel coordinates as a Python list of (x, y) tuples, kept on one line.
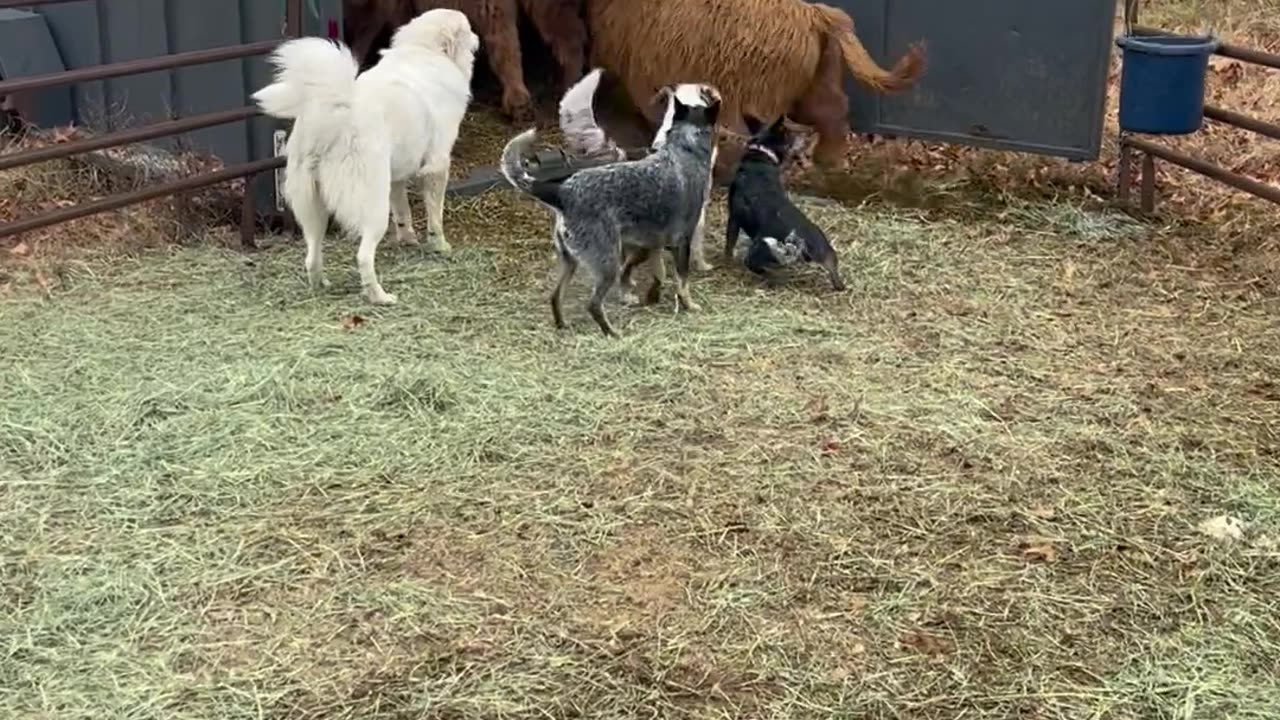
[(313, 218), (373, 226), (434, 183), (369, 240), (402, 214)]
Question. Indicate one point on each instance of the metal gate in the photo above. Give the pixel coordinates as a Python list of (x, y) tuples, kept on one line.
[(1023, 75), (89, 33), (132, 87)]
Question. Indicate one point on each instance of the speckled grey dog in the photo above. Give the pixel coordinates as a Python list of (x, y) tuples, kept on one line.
[(648, 204)]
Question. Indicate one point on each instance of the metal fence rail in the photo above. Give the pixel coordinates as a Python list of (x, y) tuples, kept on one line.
[(249, 170), (1149, 150)]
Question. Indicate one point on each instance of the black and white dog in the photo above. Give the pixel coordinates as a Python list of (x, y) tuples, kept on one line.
[(644, 205), (780, 234)]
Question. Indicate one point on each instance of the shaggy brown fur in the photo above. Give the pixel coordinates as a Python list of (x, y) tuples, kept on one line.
[(768, 57), (559, 22), (560, 25)]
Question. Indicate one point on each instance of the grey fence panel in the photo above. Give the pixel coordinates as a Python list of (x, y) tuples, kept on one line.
[(74, 27), (1024, 75), (198, 89), (132, 30), (94, 32), (259, 21)]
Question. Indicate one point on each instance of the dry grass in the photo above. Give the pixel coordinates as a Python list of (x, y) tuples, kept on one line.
[(968, 487)]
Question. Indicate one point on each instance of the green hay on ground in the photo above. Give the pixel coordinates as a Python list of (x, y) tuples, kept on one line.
[(969, 485)]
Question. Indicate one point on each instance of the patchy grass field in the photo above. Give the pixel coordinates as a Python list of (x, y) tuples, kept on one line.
[(998, 478), (968, 487)]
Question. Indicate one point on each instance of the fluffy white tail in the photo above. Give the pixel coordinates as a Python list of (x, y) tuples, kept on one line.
[(334, 159), (309, 71)]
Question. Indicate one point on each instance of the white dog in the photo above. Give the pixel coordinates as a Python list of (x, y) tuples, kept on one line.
[(359, 139)]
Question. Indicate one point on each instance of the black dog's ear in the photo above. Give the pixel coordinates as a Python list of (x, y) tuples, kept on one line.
[(712, 113), (682, 111), (779, 125), (753, 124)]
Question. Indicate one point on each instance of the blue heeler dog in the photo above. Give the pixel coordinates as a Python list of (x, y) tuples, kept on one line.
[(641, 206), (758, 205)]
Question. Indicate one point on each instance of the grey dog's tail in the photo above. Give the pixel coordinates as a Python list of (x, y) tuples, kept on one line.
[(513, 155)]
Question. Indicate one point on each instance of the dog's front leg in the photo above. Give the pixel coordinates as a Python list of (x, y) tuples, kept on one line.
[(699, 233), (683, 248), (731, 231), (635, 257), (699, 260), (434, 184), (401, 214), (632, 258)]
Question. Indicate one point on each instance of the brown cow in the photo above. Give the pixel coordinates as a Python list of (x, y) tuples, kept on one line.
[(767, 57), (559, 22)]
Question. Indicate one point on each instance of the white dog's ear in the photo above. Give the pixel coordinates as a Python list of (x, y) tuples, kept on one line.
[(460, 43), (448, 39)]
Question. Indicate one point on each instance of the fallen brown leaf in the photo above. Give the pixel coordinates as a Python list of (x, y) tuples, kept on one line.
[(1040, 553), (351, 322), (43, 281), (1044, 512), (925, 644), (21, 249), (817, 409), (63, 134)]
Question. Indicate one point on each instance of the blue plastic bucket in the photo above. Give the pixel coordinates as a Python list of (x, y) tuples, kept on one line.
[(1162, 82)]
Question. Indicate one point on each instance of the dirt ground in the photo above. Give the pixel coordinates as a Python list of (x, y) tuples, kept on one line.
[(1025, 467)]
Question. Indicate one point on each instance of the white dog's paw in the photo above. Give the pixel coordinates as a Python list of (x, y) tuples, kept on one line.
[(437, 243), (316, 279), (688, 306), (701, 265), (407, 237), (378, 296), (684, 301)]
